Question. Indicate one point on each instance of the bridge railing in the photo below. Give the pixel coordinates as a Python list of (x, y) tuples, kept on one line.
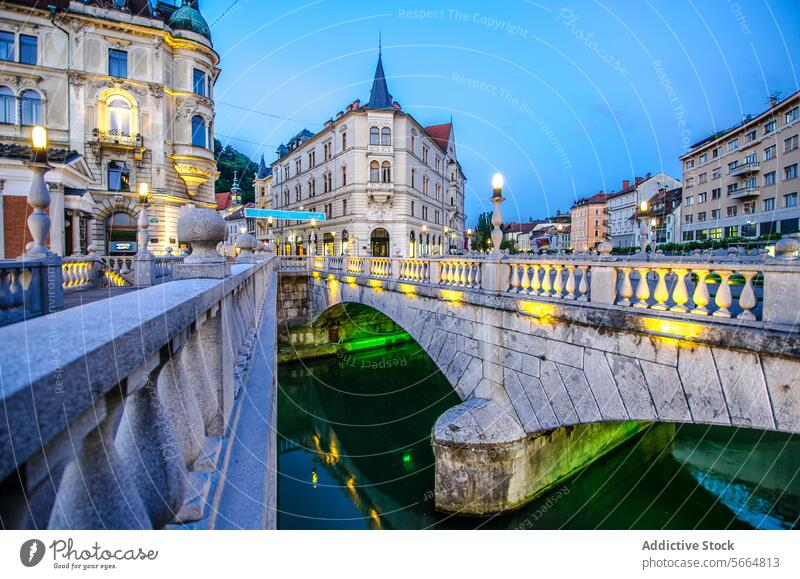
[(744, 288), (117, 421)]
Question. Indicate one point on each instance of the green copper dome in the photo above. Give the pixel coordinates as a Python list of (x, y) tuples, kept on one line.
[(189, 18)]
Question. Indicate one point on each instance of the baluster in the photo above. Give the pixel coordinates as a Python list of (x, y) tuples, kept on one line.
[(570, 282), (558, 281), (535, 283), (17, 289), (6, 297), (445, 270), (680, 295), (700, 297), (642, 289), (546, 284), (661, 293), (723, 299), (477, 275), (626, 288), (426, 273), (583, 286), (463, 273), (514, 278), (525, 283), (747, 299), (471, 275)]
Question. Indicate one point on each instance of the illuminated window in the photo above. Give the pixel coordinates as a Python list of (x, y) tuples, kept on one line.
[(119, 116)]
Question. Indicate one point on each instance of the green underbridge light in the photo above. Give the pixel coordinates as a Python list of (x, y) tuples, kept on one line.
[(373, 342)]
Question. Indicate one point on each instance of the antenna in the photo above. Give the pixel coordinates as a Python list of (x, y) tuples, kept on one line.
[(379, 43)]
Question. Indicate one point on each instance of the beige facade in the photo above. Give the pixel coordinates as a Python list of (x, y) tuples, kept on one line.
[(386, 184), (589, 220), (126, 94), (744, 182)]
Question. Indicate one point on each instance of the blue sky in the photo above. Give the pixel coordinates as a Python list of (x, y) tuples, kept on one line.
[(564, 98)]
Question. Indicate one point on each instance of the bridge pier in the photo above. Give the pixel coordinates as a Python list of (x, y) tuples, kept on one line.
[(486, 462)]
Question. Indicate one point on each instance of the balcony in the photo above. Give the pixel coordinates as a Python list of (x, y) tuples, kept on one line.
[(114, 139), (380, 192), (744, 192), (744, 169)]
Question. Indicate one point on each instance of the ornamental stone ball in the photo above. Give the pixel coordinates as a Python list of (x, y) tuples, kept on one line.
[(246, 241), (604, 248), (787, 247), (203, 229)]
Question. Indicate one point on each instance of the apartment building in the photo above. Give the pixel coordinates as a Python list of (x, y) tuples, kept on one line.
[(744, 181), (623, 205), (589, 217), (387, 185)]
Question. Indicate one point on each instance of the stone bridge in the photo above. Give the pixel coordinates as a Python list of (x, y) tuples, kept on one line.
[(537, 344)]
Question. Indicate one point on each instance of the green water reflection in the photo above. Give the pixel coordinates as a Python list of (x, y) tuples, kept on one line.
[(354, 440)]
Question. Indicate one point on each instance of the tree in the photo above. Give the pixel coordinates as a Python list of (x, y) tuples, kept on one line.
[(483, 232), (229, 160)]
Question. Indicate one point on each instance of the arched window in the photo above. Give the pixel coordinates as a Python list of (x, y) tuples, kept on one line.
[(374, 136), (119, 116), (386, 136), (374, 172), (199, 133), (119, 176), (8, 106), (379, 240), (31, 108), (386, 172), (344, 176)]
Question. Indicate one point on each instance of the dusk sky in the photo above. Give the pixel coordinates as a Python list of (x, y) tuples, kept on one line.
[(565, 99)]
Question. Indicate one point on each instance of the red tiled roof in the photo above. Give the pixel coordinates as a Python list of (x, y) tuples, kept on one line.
[(223, 200), (520, 227), (440, 134)]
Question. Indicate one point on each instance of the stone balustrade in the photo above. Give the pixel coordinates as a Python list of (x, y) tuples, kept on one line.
[(741, 288), (116, 414), (28, 288), (79, 273)]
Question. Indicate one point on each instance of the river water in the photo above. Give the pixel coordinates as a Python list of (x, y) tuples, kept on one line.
[(354, 453)]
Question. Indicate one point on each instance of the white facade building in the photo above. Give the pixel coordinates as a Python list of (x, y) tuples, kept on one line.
[(387, 185), (623, 205)]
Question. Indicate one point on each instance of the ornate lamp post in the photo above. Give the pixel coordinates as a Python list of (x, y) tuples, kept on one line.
[(497, 216), (143, 235), (312, 239), (270, 235), (38, 196), (643, 229)]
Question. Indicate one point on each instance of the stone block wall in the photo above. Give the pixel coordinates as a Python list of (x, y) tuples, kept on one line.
[(553, 372), (292, 299)]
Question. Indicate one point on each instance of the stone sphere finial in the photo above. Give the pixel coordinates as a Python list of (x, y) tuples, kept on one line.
[(787, 248), (168, 250), (604, 248), (202, 228)]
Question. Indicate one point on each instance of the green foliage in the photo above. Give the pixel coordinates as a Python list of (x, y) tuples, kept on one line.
[(510, 245), (229, 160), (483, 232), (690, 246)]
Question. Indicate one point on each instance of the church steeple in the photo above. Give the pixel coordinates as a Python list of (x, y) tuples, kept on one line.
[(379, 97)]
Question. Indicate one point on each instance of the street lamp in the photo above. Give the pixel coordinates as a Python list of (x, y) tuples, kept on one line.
[(39, 195), (643, 237), (497, 215)]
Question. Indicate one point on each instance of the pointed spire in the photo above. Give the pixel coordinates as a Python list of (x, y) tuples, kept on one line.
[(379, 97), (263, 172)]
